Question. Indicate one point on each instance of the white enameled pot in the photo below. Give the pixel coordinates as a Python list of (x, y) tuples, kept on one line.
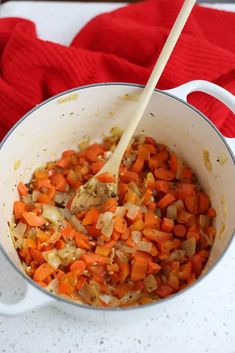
[(60, 122)]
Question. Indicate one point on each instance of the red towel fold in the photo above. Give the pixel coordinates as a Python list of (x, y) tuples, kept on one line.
[(119, 46)]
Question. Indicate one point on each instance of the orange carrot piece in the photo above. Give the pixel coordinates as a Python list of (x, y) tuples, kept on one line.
[(42, 272), (58, 180), (22, 189), (183, 190), (163, 186), (122, 189), (173, 163), (120, 224), (19, 209), (41, 174), (106, 178), (151, 220), (92, 259), (145, 150), (93, 231), (109, 244), (81, 281), (184, 216), (124, 271), (142, 256), (93, 151), (32, 220), (167, 225), (113, 268), (179, 230), (164, 290), (211, 212), (164, 174), (96, 166), (147, 196), (153, 268), (110, 205), (37, 256), (156, 235), (129, 176), (138, 165), (63, 162), (78, 265), (166, 200), (204, 202), (91, 216), (43, 198), (101, 250), (82, 242), (59, 244), (138, 270)]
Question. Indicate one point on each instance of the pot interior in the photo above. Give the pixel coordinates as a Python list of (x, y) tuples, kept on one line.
[(60, 124)]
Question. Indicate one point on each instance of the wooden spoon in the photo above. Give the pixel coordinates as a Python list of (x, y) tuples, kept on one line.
[(95, 192)]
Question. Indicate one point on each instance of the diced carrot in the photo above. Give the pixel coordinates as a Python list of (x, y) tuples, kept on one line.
[(166, 200), (65, 288), (185, 271), (42, 272), (183, 190), (93, 231), (173, 280), (173, 163), (63, 162), (58, 180), (153, 268), (82, 241), (210, 231), (96, 166), (191, 202), (81, 281), (211, 212), (124, 271), (68, 153), (152, 221), (113, 268), (197, 261), (164, 290), (186, 174), (43, 198), (78, 265), (110, 205), (150, 141), (163, 186), (179, 230), (37, 256), (101, 250), (138, 270), (145, 150), (122, 289), (167, 225), (19, 209), (138, 165), (94, 151), (152, 206), (59, 244), (142, 256), (156, 235), (204, 202), (32, 220), (109, 244), (129, 176), (41, 174), (146, 196), (92, 259), (183, 216), (120, 224), (132, 197), (91, 216), (122, 189), (22, 189), (163, 174), (106, 178)]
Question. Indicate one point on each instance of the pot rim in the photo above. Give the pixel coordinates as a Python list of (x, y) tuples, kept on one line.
[(118, 309)]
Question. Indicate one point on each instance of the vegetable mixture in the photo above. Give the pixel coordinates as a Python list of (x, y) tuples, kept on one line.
[(150, 242)]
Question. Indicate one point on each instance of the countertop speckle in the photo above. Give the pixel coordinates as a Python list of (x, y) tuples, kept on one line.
[(203, 319)]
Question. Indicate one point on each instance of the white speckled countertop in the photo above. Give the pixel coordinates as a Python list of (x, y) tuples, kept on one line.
[(203, 321)]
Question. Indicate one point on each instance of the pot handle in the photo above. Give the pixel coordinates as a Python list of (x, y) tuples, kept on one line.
[(213, 90), (33, 299)]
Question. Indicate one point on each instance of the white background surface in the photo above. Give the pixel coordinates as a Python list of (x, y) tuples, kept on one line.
[(203, 321)]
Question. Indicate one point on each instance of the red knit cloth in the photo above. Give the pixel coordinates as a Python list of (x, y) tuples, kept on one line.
[(119, 46)]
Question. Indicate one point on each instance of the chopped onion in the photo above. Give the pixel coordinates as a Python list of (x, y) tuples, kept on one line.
[(32, 233), (204, 220), (120, 211), (19, 230), (150, 283), (132, 210), (179, 205), (189, 246), (53, 286), (144, 209), (107, 154), (140, 139), (79, 252), (51, 213), (67, 254), (136, 236), (62, 198), (85, 141), (90, 294), (78, 225), (110, 300), (122, 257), (35, 195), (19, 243), (127, 249), (130, 298), (105, 223), (144, 246), (116, 131), (66, 213), (176, 255), (171, 212)]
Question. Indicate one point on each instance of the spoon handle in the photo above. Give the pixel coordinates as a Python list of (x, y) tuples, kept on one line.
[(151, 84)]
